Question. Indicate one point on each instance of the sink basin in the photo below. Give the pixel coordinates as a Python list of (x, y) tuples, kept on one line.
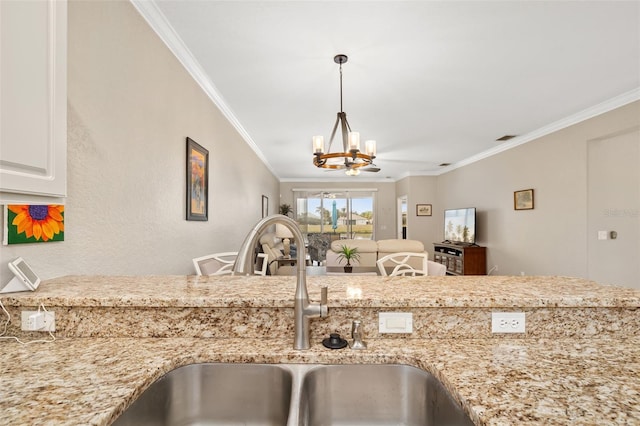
[(376, 395), (214, 394), (295, 395)]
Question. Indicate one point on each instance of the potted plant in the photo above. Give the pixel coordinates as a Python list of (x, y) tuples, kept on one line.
[(348, 253), (285, 209)]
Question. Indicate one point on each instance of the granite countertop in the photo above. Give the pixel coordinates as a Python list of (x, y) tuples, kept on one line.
[(499, 381), (351, 291)]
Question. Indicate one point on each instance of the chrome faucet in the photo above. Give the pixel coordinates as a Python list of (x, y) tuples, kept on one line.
[(303, 309)]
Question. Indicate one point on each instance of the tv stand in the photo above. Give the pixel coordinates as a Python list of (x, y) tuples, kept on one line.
[(461, 259)]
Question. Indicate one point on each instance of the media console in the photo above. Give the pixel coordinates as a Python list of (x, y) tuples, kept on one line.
[(461, 259)]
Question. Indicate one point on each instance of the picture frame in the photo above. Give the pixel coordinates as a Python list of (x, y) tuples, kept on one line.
[(523, 199), (265, 206), (197, 173), (29, 223), (423, 210)]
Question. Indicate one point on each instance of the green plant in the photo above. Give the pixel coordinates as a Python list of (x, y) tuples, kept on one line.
[(285, 209), (348, 253)]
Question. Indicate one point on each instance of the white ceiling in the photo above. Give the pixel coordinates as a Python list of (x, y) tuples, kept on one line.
[(431, 81)]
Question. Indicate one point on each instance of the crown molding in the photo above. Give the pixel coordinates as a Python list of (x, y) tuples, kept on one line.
[(149, 10), (601, 108)]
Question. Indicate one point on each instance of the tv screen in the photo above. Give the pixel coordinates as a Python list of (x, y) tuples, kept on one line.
[(460, 225)]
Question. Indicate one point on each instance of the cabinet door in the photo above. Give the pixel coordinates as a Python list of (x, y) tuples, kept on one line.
[(33, 109)]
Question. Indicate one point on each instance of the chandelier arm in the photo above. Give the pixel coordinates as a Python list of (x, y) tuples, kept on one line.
[(333, 133), (345, 131)]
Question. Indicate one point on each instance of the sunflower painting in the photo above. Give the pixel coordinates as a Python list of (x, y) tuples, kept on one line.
[(34, 223)]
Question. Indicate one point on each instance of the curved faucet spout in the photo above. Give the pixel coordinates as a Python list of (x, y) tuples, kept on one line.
[(303, 310)]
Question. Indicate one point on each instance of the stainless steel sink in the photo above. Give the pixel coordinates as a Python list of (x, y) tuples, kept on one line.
[(214, 394), (295, 395), (376, 395)]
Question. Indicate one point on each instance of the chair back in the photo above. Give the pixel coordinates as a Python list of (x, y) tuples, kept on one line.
[(215, 264), (402, 264), (263, 266)]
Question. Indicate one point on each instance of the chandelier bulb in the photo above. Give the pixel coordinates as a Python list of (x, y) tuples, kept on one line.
[(354, 141), (318, 144), (370, 148)]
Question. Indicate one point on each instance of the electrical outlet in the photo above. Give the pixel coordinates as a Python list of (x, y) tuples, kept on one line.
[(38, 321), (508, 322)]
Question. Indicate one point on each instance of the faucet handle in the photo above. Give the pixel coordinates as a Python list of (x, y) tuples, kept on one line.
[(324, 296), (357, 334)]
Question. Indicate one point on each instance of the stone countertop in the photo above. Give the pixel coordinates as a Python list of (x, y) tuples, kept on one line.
[(344, 291), (499, 382)]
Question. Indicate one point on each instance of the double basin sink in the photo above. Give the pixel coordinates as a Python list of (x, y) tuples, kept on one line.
[(295, 394)]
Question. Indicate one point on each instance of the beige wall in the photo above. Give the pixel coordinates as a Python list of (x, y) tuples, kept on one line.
[(614, 205), (421, 190), (552, 238), (131, 105)]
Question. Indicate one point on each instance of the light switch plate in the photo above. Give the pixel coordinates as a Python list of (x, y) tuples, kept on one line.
[(395, 322)]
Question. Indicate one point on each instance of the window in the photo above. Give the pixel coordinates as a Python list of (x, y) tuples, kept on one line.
[(340, 213)]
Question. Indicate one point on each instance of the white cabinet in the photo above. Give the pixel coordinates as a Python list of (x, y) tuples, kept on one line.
[(33, 109)]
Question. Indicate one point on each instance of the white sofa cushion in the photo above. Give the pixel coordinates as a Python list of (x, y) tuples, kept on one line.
[(367, 249), (397, 246)]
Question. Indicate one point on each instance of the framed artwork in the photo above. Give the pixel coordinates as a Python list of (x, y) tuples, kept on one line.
[(523, 200), (197, 181), (28, 223), (265, 206), (423, 209)]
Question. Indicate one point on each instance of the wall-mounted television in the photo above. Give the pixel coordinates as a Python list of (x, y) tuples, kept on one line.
[(460, 225)]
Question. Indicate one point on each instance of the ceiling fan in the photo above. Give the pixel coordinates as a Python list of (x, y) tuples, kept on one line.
[(354, 168)]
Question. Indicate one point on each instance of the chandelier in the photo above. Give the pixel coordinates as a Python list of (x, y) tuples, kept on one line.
[(351, 159)]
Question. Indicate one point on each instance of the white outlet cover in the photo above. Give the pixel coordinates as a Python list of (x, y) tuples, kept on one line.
[(508, 322), (49, 321), (395, 322)]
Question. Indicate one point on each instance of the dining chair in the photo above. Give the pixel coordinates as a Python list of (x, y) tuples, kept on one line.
[(403, 264), (215, 264)]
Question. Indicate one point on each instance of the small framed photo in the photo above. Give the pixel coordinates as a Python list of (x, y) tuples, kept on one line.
[(197, 181), (265, 206), (423, 209), (523, 200)]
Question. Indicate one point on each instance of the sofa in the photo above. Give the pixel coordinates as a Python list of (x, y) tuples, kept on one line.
[(273, 247), (370, 251)]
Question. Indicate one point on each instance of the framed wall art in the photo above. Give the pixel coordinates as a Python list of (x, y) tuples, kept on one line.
[(423, 209), (523, 200), (197, 181), (27, 223), (265, 206)]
